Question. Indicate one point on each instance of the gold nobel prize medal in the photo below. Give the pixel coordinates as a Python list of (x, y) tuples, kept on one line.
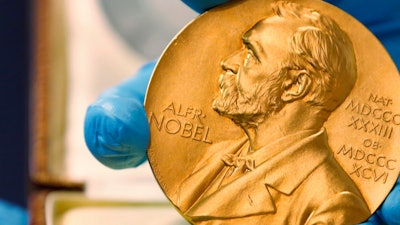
[(275, 112)]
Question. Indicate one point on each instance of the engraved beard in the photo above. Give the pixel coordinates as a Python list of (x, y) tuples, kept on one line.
[(248, 109)]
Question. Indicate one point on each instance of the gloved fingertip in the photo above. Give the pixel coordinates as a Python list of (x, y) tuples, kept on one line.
[(12, 214), (202, 6), (116, 132), (373, 220), (389, 211)]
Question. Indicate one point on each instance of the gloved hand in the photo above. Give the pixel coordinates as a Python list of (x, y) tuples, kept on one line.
[(12, 214), (389, 212), (116, 128)]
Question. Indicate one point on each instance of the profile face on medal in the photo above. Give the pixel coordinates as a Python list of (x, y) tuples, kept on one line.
[(280, 63), (280, 88), (294, 69)]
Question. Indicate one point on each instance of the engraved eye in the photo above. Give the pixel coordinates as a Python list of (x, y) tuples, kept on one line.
[(250, 53), (250, 57)]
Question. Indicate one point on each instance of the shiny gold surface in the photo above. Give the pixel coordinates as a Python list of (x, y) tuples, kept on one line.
[(265, 112)]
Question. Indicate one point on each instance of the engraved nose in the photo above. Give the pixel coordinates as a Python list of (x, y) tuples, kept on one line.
[(232, 63)]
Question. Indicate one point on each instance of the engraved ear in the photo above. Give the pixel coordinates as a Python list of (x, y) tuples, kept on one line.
[(296, 86)]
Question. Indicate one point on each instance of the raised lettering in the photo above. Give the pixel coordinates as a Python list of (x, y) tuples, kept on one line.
[(205, 138), (153, 118), (171, 128), (390, 167), (356, 170), (345, 151), (198, 133), (353, 107), (368, 158), (187, 130), (170, 107), (384, 175), (353, 122), (369, 173), (364, 173)]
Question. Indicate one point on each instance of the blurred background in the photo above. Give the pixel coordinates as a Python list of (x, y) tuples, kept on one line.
[(88, 46), (14, 82), (107, 41)]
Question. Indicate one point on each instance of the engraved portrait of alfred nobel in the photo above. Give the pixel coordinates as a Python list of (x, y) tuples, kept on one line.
[(294, 69)]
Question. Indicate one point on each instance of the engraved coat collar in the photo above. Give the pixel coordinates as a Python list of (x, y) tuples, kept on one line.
[(249, 195)]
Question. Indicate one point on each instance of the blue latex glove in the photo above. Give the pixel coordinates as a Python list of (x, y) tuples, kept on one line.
[(116, 128), (12, 214), (389, 212), (201, 6)]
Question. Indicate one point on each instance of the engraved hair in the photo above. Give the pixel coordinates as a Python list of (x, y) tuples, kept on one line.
[(324, 50)]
